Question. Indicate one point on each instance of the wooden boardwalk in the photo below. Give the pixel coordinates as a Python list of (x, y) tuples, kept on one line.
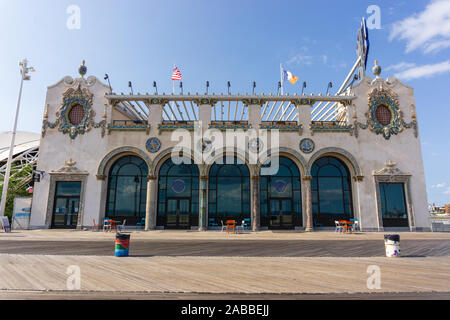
[(240, 248), (223, 275)]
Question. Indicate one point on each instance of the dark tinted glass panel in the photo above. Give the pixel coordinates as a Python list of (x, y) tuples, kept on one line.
[(331, 191), (68, 188), (127, 188), (280, 204), (229, 186), (393, 200), (178, 194)]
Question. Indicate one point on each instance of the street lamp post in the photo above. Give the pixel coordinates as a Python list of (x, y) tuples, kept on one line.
[(24, 76)]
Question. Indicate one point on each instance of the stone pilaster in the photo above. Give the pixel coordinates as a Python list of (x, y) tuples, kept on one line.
[(308, 205), (150, 206), (254, 204), (202, 226)]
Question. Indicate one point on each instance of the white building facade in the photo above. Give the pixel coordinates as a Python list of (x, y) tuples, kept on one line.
[(352, 156)]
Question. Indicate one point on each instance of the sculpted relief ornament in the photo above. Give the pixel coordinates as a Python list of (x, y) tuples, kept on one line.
[(75, 116), (384, 115)]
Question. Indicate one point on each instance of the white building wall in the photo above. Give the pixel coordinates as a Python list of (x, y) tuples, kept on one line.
[(371, 152)]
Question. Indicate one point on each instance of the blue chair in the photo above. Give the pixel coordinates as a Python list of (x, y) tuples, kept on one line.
[(247, 223), (141, 223), (212, 223)]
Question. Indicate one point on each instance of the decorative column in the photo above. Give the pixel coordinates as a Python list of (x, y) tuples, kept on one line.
[(150, 207), (202, 226), (254, 197), (309, 215), (304, 113)]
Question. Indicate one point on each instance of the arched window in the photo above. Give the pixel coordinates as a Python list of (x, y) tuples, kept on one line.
[(331, 191), (127, 189), (281, 199), (178, 195), (229, 190)]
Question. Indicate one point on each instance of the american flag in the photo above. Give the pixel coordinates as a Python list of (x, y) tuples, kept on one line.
[(176, 75)]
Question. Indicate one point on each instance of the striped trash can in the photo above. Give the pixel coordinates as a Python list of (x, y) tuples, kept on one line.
[(122, 245), (392, 245)]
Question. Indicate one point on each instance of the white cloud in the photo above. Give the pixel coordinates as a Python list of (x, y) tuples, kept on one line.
[(428, 30), (447, 191), (424, 71), (301, 59), (439, 185), (400, 66)]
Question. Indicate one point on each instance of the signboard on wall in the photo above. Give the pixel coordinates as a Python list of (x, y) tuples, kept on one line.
[(5, 224), (21, 213)]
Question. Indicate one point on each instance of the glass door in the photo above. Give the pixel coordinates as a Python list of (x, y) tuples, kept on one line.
[(286, 213), (172, 213), (67, 205), (178, 213), (281, 213), (275, 213), (65, 214), (183, 217)]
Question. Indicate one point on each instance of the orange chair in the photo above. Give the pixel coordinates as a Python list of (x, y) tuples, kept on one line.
[(231, 224)]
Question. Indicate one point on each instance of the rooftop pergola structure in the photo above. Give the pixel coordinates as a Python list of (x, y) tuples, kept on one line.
[(274, 108)]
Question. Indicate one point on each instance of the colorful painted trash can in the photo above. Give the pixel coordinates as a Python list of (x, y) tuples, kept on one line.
[(122, 245), (392, 245)]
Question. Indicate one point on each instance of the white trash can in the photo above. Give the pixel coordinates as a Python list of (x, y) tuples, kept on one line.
[(392, 245)]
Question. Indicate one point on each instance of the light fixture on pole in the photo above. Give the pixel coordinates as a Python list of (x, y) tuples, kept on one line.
[(130, 85), (304, 86), (229, 85), (254, 86), (154, 86), (330, 85), (24, 76), (109, 83), (279, 87), (181, 87), (207, 86)]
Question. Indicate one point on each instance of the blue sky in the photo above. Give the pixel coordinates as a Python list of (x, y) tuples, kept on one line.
[(235, 40)]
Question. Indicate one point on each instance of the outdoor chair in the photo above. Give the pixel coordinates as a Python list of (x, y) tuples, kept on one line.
[(247, 223), (242, 226), (224, 226), (96, 226), (141, 223), (121, 227), (355, 225), (338, 226), (105, 224), (212, 223)]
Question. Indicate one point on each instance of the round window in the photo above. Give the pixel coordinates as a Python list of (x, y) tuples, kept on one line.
[(76, 114), (383, 115)]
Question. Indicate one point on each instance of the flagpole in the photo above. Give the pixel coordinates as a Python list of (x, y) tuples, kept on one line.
[(282, 80), (173, 90)]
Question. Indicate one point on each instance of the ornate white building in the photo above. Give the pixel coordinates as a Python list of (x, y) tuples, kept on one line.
[(354, 155)]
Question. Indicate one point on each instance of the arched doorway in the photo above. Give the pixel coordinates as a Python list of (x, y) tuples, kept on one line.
[(178, 195), (331, 191), (229, 190), (127, 189), (280, 197)]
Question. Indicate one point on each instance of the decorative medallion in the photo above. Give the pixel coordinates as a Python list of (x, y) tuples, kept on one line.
[(204, 145), (280, 186), (307, 145), (255, 145), (153, 145), (75, 116), (384, 115), (178, 186)]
